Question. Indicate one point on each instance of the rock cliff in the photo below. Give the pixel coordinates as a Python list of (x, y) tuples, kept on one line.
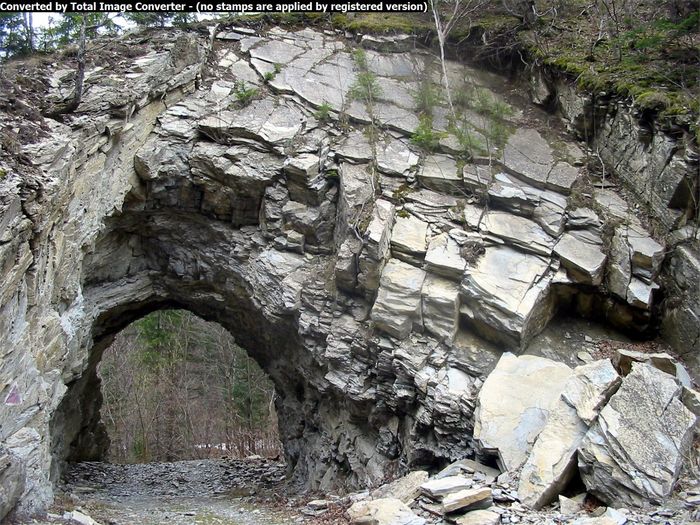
[(376, 282)]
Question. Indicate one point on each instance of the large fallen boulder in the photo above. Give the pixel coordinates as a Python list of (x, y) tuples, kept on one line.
[(633, 453), (513, 406), (552, 462)]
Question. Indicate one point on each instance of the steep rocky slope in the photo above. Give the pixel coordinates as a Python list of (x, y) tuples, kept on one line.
[(375, 282)]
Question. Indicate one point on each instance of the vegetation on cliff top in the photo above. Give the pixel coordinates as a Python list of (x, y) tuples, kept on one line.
[(646, 51)]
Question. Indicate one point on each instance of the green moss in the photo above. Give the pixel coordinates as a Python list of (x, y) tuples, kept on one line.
[(652, 100), (382, 23), (3, 173), (403, 214)]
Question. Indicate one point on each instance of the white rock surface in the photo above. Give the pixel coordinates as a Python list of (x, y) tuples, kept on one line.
[(438, 488)]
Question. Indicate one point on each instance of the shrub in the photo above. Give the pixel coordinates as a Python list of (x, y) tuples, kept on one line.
[(244, 95), (323, 113), (425, 136)]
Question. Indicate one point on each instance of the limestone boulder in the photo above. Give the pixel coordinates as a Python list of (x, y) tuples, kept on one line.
[(513, 406), (383, 511), (552, 462), (438, 488), (398, 304), (633, 453)]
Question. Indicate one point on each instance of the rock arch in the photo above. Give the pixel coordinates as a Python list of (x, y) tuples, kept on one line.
[(336, 259)]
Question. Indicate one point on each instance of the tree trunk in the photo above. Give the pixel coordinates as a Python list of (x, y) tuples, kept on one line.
[(79, 77)]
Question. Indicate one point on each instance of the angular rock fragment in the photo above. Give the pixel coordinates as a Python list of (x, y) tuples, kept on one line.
[(438, 488), (619, 271), (634, 451), (398, 303), (647, 254), (469, 467), (508, 294), (409, 236), (303, 180), (517, 231), (376, 250), (263, 121), (584, 261), (444, 257), (513, 406), (552, 461), (383, 511), (467, 499)]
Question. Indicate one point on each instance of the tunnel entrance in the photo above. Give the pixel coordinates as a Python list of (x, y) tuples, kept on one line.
[(176, 387), (168, 387)]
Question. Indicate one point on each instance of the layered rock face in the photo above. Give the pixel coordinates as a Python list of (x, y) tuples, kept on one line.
[(364, 275)]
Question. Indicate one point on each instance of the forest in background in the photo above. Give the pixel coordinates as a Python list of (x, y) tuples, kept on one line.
[(177, 387)]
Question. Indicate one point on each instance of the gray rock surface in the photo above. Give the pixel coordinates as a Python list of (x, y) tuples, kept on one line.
[(398, 304), (507, 293), (513, 406), (552, 461), (628, 457)]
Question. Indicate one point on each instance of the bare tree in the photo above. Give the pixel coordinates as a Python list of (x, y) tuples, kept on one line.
[(447, 14)]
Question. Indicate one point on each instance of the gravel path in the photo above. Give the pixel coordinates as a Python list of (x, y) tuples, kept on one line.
[(198, 492)]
